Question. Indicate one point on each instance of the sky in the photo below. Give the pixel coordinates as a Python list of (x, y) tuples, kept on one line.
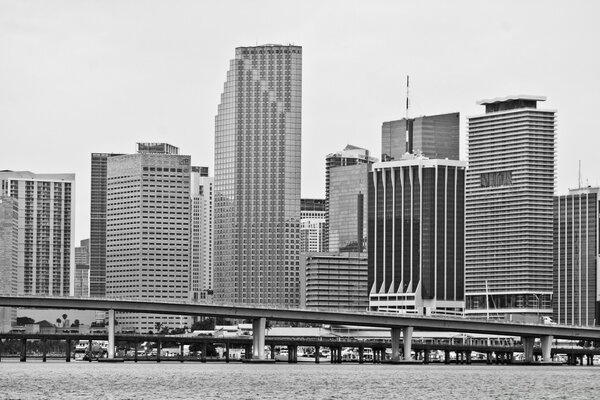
[(78, 77)]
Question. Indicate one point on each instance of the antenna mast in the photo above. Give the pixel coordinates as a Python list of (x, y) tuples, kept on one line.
[(579, 175), (408, 149)]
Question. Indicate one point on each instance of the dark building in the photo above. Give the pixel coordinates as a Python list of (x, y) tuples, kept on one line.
[(435, 136), (97, 247), (576, 250), (416, 236)]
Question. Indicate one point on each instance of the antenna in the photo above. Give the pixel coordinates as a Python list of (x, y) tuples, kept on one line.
[(407, 144), (579, 175)]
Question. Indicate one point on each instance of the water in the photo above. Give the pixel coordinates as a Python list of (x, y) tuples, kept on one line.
[(83, 380)]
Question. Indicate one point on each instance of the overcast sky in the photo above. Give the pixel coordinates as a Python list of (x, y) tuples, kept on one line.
[(78, 77)]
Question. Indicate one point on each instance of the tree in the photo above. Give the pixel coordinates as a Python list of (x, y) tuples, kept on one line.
[(58, 321), (75, 324), (206, 325), (210, 349), (24, 321), (64, 316)]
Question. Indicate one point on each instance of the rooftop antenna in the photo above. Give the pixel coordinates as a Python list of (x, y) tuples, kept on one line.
[(579, 175), (406, 111)]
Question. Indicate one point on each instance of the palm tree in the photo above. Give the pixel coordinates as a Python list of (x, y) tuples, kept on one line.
[(58, 322)]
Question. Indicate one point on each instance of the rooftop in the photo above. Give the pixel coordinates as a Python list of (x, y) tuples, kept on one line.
[(511, 98)]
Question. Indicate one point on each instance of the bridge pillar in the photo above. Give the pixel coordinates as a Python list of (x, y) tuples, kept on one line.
[(157, 351), (135, 352), (527, 348), (203, 357), (407, 333), (111, 334), (361, 355), (426, 356), (181, 352), (44, 349), (469, 357), (395, 344), (339, 355), (547, 348), (317, 357), (488, 358), (23, 350), (258, 338), (68, 351), (446, 356), (591, 358), (227, 352), (272, 352), (90, 350)]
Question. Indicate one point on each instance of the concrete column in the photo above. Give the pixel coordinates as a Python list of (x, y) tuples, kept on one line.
[(68, 351), (226, 352), (488, 356), (339, 354), (90, 349), (361, 355), (157, 351), (395, 344), (23, 350), (44, 349), (135, 354), (272, 352), (527, 348), (181, 352), (547, 348), (426, 356), (407, 333), (446, 356), (258, 338), (317, 357), (203, 357), (468, 357), (111, 333)]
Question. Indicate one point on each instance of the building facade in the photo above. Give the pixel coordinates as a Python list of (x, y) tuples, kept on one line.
[(312, 225), (82, 269), (416, 236), (98, 224), (576, 298), (510, 189), (148, 231), (346, 174), (201, 270), (434, 136), (335, 281), (257, 178), (8, 258), (45, 228)]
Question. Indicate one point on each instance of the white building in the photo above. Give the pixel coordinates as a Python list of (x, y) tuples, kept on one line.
[(201, 235)]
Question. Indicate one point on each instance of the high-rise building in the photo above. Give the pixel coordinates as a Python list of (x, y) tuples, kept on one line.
[(416, 236), (45, 224), (334, 281), (82, 269), (346, 174), (434, 136), (576, 298), (8, 258), (257, 177), (201, 271), (98, 224), (148, 231), (312, 222), (510, 189)]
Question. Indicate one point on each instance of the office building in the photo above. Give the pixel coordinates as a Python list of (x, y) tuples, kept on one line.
[(335, 281), (510, 189), (98, 224), (148, 231), (201, 270), (257, 178), (45, 227), (434, 136), (82, 269), (416, 236), (345, 199), (312, 225), (576, 299)]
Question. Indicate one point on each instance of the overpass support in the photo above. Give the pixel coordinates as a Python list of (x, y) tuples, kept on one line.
[(407, 333), (527, 348), (547, 348), (258, 338), (111, 334), (395, 344)]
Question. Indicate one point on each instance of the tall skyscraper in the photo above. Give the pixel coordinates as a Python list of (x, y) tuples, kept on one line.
[(576, 298), (148, 231), (8, 258), (346, 174), (434, 136), (510, 189), (257, 177), (82, 269), (416, 236), (98, 224), (201, 260), (312, 225), (45, 228)]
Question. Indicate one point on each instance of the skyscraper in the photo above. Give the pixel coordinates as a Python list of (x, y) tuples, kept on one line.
[(257, 177), (82, 269), (201, 239), (98, 224), (45, 227), (576, 299), (312, 223), (416, 236), (346, 175), (510, 189), (434, 136), (8, 258), (148, 230)]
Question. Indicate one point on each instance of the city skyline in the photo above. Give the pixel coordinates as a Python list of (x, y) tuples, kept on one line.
[(101, 83)]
